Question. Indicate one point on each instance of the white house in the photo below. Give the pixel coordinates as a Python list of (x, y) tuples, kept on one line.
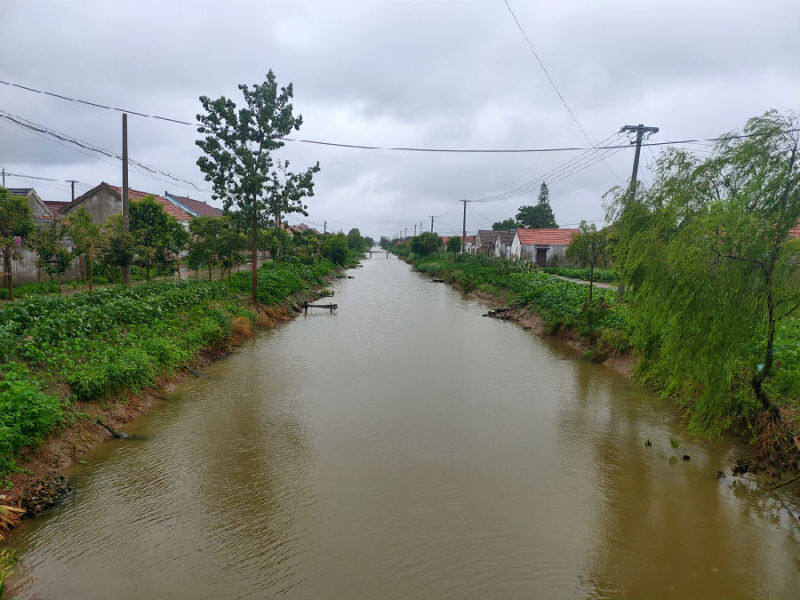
[(503, 244), (540, 245)]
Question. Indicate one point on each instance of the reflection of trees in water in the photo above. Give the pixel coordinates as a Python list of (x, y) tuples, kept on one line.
[(661, 527)]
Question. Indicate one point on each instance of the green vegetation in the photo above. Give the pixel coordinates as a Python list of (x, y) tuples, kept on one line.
[(589, 247), (540, 215), (425, 244), (713, 271), (561, 304), (58, 349)]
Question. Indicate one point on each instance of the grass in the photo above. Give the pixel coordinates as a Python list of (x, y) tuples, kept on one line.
[(602, 275)]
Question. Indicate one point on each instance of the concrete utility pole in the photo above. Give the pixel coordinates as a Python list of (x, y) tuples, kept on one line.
[(72, 183), (640, 131), (415, 230), (126, 270), (464, 227), (324, 227), (4, 178), (431, 223), (405, 232)]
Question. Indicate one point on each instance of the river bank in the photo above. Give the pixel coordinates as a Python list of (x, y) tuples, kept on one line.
[(602, 333), (82, 365)]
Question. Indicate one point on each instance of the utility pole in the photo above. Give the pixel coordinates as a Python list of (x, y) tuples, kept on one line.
[(4, 177), (72, 183), (126, 270), (431, 223), (405, 232), (324, 227), (464, 227), (415, 230), (640, 131)]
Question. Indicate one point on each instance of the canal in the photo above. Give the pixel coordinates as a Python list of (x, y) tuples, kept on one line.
[(406, 447)]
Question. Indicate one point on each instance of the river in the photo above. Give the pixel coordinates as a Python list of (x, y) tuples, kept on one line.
[(406, 447)]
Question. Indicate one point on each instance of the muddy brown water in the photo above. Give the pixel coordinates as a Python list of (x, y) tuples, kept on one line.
[(406, 447)]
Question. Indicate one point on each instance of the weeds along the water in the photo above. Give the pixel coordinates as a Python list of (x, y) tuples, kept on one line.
[(58, 349)]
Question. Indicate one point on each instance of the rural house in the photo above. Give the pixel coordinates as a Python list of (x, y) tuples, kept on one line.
[(196, 208), (485, 241), (541, 245), (503, 244), (105, 200)]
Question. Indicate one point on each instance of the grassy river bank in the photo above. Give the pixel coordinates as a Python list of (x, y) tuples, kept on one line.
[(67, 361), (604, 332)]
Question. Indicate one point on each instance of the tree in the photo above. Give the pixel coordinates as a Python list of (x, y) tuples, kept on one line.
[(539, 216), (505, 225), (157, 236), (454, 245), (385, 242), (354, 240), (16, 224), (425, 244), (87, 237), (713, 267), (335, 248), (202, 232), (51, 255), (368, 242), (238, 161), (117, 247), (589, 249)]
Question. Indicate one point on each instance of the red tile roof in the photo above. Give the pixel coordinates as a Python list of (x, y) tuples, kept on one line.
[(198, 207), (55, 207), (546, 237), (168, 206), (470, 239)]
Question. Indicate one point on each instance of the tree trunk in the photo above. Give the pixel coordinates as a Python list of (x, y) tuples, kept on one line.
[(89, 270), (82, 266), (178, 269), (766, 370), (9, 277), (254, 256)]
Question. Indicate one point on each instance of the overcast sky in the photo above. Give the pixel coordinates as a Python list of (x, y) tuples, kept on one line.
[(454, 74)]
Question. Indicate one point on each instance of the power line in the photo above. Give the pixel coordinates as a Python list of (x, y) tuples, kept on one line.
[(553, 83), (388, 147)]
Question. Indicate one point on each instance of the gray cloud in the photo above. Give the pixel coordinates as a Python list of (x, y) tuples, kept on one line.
[(396, 72)]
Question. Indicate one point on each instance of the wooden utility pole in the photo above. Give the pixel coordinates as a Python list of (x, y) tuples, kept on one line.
[(640, 130), (464, 227), (72, 183), (431, 223), (126, 269)]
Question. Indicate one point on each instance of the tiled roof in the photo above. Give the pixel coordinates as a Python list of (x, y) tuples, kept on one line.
[(198, 207), (19, 191), (470, 239), (794, 231), (55, 207), (507, 236), (488, 236), (169, 207), (546, 237)]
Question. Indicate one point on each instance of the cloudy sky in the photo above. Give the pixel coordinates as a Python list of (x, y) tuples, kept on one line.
[(449, 73)]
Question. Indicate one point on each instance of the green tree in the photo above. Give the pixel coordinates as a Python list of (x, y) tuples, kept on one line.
[(87, 237), (539, 216), (16, 224), (712, 266), (589, 248), (425, 244), (237, 160), (385, 242), (335, 248), (202, 239), (505, 225), (51, 255), (354, 240), (117, 246), (157, 236), (454, 245)]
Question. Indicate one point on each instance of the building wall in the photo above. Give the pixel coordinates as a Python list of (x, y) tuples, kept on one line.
[(25, 269), (100, 205)]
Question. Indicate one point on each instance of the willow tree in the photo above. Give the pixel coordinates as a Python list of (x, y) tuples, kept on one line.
[(238, 154), (710, 254)]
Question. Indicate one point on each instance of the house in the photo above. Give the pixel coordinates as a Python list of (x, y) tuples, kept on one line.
[(55, 208), (469, 244), (540, 245), (196, 208), (485, 241), (503, 244), (41, 214), (105, 200)]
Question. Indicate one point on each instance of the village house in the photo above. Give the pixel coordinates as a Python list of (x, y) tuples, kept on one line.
[(541, 245), (485, 241), (469, 244), (503, 244), (196, 208), (41, 214), (105, 200)]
